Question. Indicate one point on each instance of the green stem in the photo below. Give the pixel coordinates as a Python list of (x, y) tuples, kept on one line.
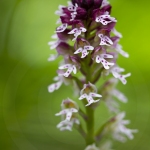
[(90, 126)]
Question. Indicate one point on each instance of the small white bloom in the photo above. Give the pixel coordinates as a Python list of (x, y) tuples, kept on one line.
[(119, 129), (116, 73), (54, 44), (70, 68), (67, 125), (105, 40), (120, 96), (52, 57), (73, 10), (55, 86), (104, 3), (68, 112), (119, 49), (92, 147), (116, 33), (59, 12), (104, 19), (86, 93), (62, 28), (101, 59), (77, 32), (84, 50)]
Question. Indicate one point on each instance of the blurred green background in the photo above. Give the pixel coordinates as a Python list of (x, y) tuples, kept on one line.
[(27, 120)]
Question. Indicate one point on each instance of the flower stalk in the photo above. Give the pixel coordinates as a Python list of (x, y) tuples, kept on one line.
[(89, 44)]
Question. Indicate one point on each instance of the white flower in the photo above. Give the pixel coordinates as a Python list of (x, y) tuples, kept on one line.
[(67, 125), (101, 59), (68, 112), (119, 49), (119, 129), (62, 28), (105, 19), (52, 57), (56, 86), (104, 3), (106, 146), (77, 32), (73, 10), (70, 68), (87, 93), (116, 73), (84, 50), (91, 147), (60, 10), (116, 33), (105, 40)]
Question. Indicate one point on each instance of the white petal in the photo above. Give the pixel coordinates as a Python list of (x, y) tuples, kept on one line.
[(73, 110), (52, 57), (82, 29), (65, 66), (119, 95), (116, 33), (84, 53), (68, 72), (54, 86), (98, 59), (73, 31), (95, 95), (88, 47), (108, 40), (62, 28), (78, 51), (74, 69), (68, 115), (82, 96), (106, 56), (122, 52), (65, 111)]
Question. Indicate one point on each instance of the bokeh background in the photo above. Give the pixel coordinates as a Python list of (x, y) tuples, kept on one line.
[(27, 120)]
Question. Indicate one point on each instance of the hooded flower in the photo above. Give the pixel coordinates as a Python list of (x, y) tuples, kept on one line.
[(88, 92)]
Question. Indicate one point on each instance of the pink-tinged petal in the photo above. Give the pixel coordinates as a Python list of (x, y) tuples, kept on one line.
[(107, 39), (54, 86), (53, 44), (52, 57), (73, 110), (68, 115), (106, 56), (73, 31), (62, 28), (89, 47), (119, 95), (74, 69), (65, 66), (82, 29), (122, 78), (122, 52), (95, 95), (68, 72), (82, 96), (78, 51), (65, 111), (98, 59), (116, 33), (84, 53)]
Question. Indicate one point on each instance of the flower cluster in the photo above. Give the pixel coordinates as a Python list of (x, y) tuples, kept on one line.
[(88, 42)]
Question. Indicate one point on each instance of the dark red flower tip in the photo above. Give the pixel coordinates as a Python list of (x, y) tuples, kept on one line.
[(88, 4)]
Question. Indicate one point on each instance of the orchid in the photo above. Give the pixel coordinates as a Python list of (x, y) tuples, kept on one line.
[(88, 43)]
